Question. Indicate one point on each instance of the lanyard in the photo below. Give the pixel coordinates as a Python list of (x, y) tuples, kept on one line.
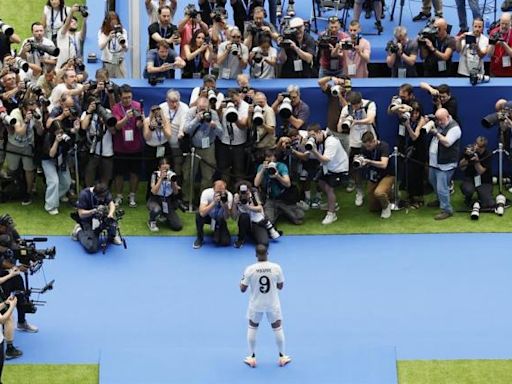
[(54, 17), (246, 8), (197, 61), (163, 32)]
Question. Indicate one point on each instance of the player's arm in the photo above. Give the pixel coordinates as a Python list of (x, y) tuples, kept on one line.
[(244, 283)]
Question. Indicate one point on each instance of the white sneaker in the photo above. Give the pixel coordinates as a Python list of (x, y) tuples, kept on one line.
[(26, 327), (118, 200), (132, 203), (117, 240), (359, 199), (329, 218), (53, 211), (152, 226), (64, 199), (304, 204), (386, 212), (74, 234), (350, 188)]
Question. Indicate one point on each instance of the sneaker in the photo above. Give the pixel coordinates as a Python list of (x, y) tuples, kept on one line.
[(443, 215), (152, 226), (283, 360), (11, 352), (329, 218), (132, 203), (117, 240), (53, 211), (198, 243), (386, 212), (324, 207), (304, 204), (350, 188), (290, 11), (315, 203), (74, 234), (359, 199), (27, 200), (118, 200), (238, 243), (421, 16), (250, 361), (26, 327), (64, 199)]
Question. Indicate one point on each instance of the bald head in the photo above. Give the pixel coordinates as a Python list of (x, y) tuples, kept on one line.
[(500, 104), (505, 22), (442, 117)]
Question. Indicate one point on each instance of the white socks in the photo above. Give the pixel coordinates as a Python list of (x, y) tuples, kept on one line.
[(251, 339), (279, 334)]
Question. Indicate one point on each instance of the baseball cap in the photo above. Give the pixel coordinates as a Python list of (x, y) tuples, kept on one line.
[(296, 22)]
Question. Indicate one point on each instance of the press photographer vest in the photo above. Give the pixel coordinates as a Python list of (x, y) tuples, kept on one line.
[(447, 155)]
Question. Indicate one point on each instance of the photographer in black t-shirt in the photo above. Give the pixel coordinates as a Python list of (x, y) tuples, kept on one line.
[(477, 166)]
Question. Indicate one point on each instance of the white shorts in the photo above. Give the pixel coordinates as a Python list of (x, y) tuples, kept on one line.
[(272, 316)]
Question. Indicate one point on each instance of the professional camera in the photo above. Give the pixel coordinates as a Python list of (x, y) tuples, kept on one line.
[(347, 123), (404, 117), (234, 49), (396, 102), (34, 88), (218, 14), (272, 168), (118, 29), (258, 57), (231, 113), (7, 119), (475, 77), (28, 254), (285, 108), (7, 30), (224, 197), (74, 112), (310, 144), (207, 117), (21, 64), (43, 102), (170, 176), (92, 84), (326, 41), (190, 10), (65, 137), (83, 10), (501, 200), (469, 152), (349, 45), (392, 47), (257, 116), (429, 126), (52, 51), (475, 211), (429, 32), (136, 114), (212, 96), (496, 37), (105, 116), (289, 35), (154, 80), (497, 117), (358, 161)]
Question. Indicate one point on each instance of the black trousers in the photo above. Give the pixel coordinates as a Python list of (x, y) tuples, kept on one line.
[(90, 239), (221, 235), (484, 192), (231, 159), (15, 284), (256, 231), (2, 359), (156, 209)]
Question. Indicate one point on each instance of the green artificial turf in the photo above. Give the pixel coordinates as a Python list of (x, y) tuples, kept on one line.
[(50, 374)]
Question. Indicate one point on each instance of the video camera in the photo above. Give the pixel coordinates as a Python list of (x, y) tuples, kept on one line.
[(288, 36), (28, 254), (429, 32)]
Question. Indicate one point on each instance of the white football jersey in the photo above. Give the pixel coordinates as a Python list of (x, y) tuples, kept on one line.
[(262, 279)]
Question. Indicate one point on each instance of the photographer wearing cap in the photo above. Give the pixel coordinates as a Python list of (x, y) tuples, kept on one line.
[(334, 171), (297, 51), (380, 173), (248, 209), (402, 54), (161, 63), (98, 135), (437, 52), (330, 50), (357, 52), (477, 166), (203, 127), (443, 159), (233, 56), (281, 197), (500, 47), (214, 209), (472, 48), (163, 198), (96, 211)]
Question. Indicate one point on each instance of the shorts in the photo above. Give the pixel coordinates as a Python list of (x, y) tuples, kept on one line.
[(309, 169), (335, 179), (25, 155), (126, 163), (272, 316)]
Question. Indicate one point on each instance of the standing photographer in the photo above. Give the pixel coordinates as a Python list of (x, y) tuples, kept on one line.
[(198, 54), (163, 29), (357, 56), (297, 51), (258, 29), (96, 210), (164, 189), (214, 209), (69, 39), (113, 43), (262, 120), (263, 60), (189, 25), (401, 54), (38, 49), (500, 47), (477, 167), (330, 50), (233, 56), (442, 98), (437, 52), (291, 108), (472, 48)]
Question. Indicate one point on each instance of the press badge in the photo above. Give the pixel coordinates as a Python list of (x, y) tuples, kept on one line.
[(478, 181), (506, 61), (351, 69), (128, 135), (95, 223), (205, 142), (165, 207), (160, 151), (401, 130), (441, 66), (226, 73), (297, 65), (402, 73), (60, 160)]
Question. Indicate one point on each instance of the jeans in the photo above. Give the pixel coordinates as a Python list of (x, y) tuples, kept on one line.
[(440, 181), (57, 184), (323, 72), (461, 11)]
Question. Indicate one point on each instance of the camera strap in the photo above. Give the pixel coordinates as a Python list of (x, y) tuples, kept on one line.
[(247, 8)]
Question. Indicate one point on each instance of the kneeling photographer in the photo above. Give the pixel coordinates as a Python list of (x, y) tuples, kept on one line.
[(96, 213), (248, 208), (380, 173), (477, 166), (163, 198), (334, 171)]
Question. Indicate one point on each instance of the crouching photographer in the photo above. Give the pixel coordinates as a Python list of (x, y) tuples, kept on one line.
[(96, 213), (477, 166), (251, 216), (163, 198)]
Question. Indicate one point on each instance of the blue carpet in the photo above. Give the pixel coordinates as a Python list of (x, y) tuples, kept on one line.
[(431, 296)]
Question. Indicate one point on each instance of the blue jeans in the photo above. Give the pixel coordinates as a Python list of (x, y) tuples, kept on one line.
[(461, 11), (323, 72), (57, 184), (440, 181)]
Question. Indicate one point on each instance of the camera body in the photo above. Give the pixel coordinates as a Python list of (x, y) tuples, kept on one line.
[(218, 14), (169, 175), (272, 168), (392, 47), (429, 32), (84, 10), (191, 11), (118, 29), (326, 41), (358, 161), (404, 117), (310, 144), (289, 35), (469, 152)]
